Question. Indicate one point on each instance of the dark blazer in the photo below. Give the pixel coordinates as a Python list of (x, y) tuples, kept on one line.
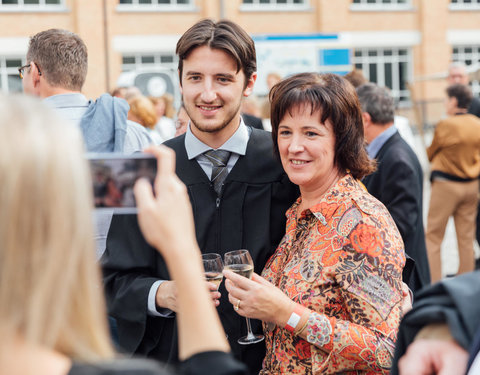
[(474, 107), (398, 184), (253, 121), (250, 215)]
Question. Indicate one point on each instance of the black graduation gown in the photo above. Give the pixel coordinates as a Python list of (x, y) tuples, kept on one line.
[(250, 214)]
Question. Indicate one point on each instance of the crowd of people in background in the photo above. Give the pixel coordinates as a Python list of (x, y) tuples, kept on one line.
[(318, 181)]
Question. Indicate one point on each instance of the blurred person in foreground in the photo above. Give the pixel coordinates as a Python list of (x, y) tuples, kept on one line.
[(143, 112), (330, 297), (441, 334), (455, 164), (52, 313), (398, 180)]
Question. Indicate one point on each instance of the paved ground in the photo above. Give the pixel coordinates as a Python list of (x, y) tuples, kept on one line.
[(449, 245)]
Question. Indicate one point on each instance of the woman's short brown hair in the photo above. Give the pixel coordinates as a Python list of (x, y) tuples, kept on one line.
[(335, 99)]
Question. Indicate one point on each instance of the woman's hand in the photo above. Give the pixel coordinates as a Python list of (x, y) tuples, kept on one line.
[(165, 219), (258, 298)]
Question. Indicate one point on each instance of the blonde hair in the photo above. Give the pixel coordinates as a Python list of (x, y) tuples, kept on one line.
[(144, 111), (167, 100), (50, 287)]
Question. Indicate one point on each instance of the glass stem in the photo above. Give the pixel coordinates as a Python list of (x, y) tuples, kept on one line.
[(249, 329)]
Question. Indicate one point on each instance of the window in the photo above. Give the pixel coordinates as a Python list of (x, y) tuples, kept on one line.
[(381, 5), (9, 79), (464, 4), (164, 5), (468, 55), (391, 67), (276, 5), (32, 5), (149, 60)]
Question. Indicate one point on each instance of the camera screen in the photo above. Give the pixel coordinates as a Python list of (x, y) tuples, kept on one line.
[(113, 179)]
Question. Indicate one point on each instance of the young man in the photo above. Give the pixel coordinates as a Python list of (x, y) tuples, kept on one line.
[(239, 202)]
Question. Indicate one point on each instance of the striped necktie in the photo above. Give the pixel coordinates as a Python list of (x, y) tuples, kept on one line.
[(219, 159)]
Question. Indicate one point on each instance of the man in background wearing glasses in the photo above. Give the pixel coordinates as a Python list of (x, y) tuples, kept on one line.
[(56, 71)]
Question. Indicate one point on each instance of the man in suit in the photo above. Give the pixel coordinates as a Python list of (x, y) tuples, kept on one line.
[(455, 163), (398, 181), (217, 69)]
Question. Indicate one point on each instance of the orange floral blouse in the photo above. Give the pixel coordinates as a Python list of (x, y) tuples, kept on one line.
[(343, 259)]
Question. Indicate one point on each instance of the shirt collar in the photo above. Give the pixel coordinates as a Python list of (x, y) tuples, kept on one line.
[(237, 143), (66, 100), (375, 146), (329, 203)]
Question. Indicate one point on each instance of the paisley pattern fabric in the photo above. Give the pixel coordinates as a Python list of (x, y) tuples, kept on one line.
[(343, 259)]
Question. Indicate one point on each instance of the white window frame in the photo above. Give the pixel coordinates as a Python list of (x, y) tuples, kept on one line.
[(379, 5), (363, 62), (273, 5), (5, 72), (155, 6), (460, 5), (473, 57), (42, 6), (157, 63)]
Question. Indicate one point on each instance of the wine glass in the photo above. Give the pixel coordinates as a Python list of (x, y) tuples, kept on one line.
[(213, 266), (240, 262)]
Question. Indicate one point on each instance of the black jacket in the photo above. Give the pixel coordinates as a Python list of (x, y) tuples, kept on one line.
[(398, 184), (250, 215)]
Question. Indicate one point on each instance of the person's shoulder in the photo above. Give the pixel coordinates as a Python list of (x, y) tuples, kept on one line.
[(176, 143), (119, 367)]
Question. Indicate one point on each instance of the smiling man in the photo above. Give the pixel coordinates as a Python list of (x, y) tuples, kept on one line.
[(238, 190)]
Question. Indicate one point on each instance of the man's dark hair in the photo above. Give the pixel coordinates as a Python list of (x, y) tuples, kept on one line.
[(223, 35), (377, 102), (61, 56), (462, 93), (335, 100)]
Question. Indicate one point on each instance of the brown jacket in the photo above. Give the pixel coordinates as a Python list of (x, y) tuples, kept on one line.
[(455, 148)]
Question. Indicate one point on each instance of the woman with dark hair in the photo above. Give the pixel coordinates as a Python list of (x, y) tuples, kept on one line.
[(331, 295)]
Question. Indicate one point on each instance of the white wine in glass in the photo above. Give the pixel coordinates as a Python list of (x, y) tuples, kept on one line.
[(240, 262), (213, 266)]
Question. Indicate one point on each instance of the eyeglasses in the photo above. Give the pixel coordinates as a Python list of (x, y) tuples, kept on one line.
[(22, 68)]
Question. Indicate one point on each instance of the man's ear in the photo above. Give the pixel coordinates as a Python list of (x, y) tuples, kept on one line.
[(250, 83), (34, 74), (367, 119)]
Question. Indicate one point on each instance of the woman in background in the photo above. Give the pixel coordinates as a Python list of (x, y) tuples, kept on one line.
[(52, 313), (165, 113), (143, 111)]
